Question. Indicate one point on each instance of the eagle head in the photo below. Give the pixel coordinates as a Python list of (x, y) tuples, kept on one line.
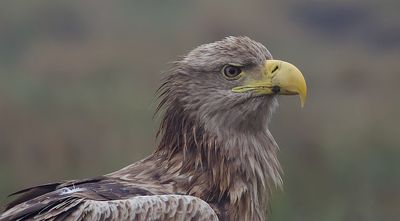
[(230, 84)]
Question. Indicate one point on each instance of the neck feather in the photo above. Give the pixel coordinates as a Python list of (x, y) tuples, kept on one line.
[(235, 166)]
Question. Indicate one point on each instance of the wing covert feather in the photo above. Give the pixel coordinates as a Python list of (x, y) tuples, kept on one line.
[(139, 208)]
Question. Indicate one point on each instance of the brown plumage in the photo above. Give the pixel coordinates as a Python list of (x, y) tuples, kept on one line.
[(216, 159)]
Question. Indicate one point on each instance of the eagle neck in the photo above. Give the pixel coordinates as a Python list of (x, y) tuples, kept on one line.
[(233, 171)]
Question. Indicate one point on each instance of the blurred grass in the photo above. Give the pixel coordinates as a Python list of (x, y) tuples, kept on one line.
[(77, 83)]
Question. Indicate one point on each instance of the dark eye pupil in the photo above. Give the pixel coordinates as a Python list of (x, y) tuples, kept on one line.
[(232, 71)]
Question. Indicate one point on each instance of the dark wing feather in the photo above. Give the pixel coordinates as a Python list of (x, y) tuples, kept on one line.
[(30, 193), (33, 192), (29, 209)]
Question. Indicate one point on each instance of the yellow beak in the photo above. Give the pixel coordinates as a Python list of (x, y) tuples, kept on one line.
[(277, 77)]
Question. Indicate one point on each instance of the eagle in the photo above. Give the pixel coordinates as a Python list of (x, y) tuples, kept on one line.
[(216, 158)]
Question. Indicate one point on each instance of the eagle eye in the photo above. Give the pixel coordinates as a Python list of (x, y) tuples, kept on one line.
[(231, 72)]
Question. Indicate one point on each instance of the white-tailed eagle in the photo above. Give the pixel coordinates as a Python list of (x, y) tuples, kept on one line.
[(216, 159)]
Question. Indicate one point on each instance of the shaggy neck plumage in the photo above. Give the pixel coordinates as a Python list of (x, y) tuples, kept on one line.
[(235, 166)]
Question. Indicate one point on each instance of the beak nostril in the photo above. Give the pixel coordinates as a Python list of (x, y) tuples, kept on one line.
[(274, 69), (276, 89)]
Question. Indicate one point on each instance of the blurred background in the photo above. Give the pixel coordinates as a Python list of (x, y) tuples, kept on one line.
[(78, 78)]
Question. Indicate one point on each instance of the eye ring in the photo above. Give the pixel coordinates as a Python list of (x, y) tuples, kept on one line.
[(231, 72)]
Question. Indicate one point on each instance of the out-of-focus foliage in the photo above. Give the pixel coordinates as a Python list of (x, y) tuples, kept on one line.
[(77, 83)]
